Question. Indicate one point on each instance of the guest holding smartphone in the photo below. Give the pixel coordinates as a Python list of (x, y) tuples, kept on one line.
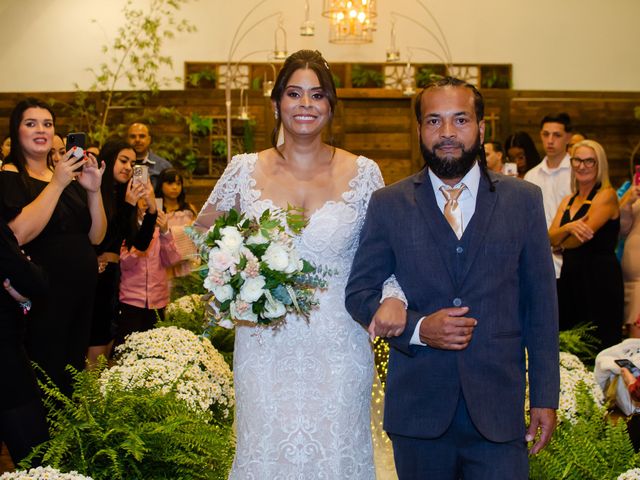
[(56, 215), (120, 195)]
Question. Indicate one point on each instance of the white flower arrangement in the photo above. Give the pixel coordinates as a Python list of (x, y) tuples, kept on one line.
[(254, 272), (188, 304), (186, 312), (174, 358), (633, 474), (42, 473), (572, 372)]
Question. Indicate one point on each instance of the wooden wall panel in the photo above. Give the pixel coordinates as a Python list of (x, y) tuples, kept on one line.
[(380, 123)]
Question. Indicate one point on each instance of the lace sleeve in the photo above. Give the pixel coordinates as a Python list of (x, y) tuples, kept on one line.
[(392, 289), (371, 181), (225, 194)]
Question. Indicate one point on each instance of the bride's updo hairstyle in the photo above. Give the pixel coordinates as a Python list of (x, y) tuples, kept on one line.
[(303, 59)]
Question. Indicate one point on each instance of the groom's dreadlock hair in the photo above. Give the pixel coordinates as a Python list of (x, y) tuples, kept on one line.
[(478, 104)]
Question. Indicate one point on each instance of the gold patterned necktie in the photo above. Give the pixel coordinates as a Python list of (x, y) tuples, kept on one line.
[(452, 210)]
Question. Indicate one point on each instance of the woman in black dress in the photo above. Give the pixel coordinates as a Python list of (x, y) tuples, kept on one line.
[(585, 228), (57, 214), (120, 197), (22, 416)]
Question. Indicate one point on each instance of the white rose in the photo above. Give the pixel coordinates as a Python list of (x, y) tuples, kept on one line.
[(257, 239), (209, 283), (230, 240), (295, 263), (221, 259), (276, 257), (252, 289), (274, 309), (223, 292), (243, 313)]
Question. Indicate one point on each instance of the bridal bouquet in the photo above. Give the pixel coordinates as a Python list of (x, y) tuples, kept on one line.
[(255, 273)]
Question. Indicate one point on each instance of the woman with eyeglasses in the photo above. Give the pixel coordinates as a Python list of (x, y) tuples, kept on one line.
[(585, 229)]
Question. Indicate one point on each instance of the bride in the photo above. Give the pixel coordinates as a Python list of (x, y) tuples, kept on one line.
[(303, 391)]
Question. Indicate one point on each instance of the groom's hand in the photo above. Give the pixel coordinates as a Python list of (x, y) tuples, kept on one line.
[(448, 329)]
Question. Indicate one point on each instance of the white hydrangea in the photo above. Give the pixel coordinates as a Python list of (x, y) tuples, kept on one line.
[(633, 474), (165, 356), (42, 473)]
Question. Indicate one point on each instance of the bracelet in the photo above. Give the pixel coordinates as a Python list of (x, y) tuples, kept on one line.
[(26, 306)]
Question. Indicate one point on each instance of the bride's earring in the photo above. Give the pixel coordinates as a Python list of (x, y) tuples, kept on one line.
[(275, 114)]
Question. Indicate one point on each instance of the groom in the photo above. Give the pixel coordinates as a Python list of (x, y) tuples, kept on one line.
[(471, 252)]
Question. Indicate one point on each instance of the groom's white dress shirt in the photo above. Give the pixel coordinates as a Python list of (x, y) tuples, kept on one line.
[(466, 202)]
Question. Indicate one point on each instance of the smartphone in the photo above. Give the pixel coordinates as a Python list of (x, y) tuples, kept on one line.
[(140, 174), (636, 177), (510, 169), (629, 365), (77, 139), (159, 203)]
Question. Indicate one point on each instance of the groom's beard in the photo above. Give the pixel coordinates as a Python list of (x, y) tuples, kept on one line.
[(448, 167)]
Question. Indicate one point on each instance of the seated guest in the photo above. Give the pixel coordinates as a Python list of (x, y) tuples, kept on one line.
[(120, 197), (585, 229), (57, 217), (140, 139), (22, 416), (630, 228), (619, 385), (522, 151)]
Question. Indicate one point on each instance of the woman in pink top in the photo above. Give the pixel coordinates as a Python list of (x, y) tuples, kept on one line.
[(144, 287)]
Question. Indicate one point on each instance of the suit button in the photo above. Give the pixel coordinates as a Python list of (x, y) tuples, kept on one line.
[(457, 302), (459, 249)]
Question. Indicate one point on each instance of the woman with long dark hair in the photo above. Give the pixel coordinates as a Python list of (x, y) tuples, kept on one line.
[(120, 196), (303, 391), (56, 216), (522, 151)]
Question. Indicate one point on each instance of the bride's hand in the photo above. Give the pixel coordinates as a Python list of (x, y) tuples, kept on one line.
[(389, 320)]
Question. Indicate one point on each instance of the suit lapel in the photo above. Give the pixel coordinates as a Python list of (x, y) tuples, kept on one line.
[(441, 234), (479, 224)]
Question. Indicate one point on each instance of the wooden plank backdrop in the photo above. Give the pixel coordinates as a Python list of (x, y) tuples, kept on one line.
[(380, 124)]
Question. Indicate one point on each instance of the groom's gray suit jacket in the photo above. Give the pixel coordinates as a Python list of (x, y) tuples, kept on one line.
[(501, 269)]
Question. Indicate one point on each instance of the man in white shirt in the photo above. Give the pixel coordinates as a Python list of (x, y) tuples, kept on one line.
[(140, 139), (553, 174)]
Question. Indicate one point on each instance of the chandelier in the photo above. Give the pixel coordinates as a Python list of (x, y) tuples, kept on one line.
[(351, 21)]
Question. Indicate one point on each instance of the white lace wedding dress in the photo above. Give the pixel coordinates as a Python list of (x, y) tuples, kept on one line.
[(303, 391)]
